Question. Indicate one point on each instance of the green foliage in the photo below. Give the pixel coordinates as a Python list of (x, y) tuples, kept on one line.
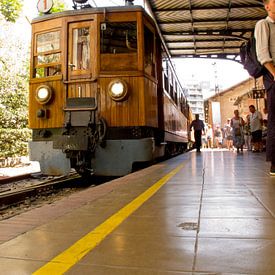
[(14, 60), (58, 6), (13, 142), (10, 9)]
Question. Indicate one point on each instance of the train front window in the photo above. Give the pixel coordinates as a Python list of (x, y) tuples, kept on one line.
[(81, 49), (49, 58), (47, 55), (48, 42), (118, 37), (118, 46)]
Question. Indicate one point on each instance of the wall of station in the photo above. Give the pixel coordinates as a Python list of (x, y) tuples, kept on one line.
[(239, 97)]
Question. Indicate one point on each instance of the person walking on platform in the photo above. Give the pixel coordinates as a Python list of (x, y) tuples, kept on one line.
[(237, 124), (198, 127), (265, 48), (255, 122)]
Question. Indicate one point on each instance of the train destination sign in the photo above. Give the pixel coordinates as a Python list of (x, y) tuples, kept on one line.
[(44, 6)]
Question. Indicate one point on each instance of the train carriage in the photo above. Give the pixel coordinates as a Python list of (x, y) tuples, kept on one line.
[(103, 92)]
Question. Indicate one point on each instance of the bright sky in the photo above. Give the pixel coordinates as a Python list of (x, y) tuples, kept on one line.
[(226, 73)]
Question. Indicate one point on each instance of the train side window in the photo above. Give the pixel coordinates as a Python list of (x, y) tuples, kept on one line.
[(47, 56), (176, 92), (182, 103), (149, 52), (118, 37), (170, 80)]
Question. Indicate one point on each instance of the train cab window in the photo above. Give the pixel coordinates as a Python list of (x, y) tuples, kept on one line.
[(149, 52), (118, 46), (47, 56), (81, 49), (118, 37)]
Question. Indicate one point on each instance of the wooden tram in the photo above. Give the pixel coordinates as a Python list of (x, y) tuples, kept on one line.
[(103, 92)]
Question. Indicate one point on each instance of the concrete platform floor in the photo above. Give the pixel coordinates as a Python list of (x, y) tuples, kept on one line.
[(208, 213)]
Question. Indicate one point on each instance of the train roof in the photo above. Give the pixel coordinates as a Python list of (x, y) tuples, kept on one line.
[(89, 11)]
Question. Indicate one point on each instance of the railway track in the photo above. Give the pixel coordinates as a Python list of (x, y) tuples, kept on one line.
[(16, 190), (26, 191)]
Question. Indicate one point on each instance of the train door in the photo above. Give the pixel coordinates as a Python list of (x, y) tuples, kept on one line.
[(81, 122), (81, 59)]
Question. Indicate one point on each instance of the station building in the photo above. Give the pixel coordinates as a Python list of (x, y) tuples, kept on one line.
[(221, 106)]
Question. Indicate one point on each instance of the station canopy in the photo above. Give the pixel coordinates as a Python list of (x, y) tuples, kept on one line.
[(206, 28)]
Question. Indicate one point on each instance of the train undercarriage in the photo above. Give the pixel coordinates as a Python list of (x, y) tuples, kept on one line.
[(98, 150)]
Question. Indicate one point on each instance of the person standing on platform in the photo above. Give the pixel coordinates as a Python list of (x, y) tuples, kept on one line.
[(237, 124), (228, 135), (265, 48), (218, 137), (198, 127), (209, 136), (256, 121)]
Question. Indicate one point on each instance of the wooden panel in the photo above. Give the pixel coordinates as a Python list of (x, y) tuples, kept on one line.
[(118, 17), (130, 112), (118, 62), (85, 89), (151, 107), (54, 107), (140, 34), (47, 25)]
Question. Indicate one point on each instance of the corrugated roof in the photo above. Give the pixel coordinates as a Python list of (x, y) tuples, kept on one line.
[(200, 28)]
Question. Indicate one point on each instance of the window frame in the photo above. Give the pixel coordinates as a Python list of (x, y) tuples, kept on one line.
[(36, 55)]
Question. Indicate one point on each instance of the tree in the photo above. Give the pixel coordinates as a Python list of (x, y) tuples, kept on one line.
[(14, 60), (10, 9), (14, 76), (58, 6)]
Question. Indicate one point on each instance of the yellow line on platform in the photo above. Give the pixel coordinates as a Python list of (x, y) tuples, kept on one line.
[(65, 260)]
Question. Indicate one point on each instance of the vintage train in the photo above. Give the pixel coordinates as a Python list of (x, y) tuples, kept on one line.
[(104, 95)]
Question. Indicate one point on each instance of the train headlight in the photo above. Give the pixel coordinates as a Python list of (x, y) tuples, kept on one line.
[(43, 94), (118, 89)]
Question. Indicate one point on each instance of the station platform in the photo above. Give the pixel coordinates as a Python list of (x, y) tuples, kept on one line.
[(207, 213)]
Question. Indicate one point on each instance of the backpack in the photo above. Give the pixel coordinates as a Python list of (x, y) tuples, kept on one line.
[(249, 58)]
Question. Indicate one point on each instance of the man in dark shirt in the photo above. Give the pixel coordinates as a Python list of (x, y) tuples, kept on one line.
[(198, 127)]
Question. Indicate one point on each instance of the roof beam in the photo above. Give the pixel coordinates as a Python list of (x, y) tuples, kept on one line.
[(227, 19), (227, 33), (209, 20), (205, 48), (219, 7), (228, 39), (192, 22)]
